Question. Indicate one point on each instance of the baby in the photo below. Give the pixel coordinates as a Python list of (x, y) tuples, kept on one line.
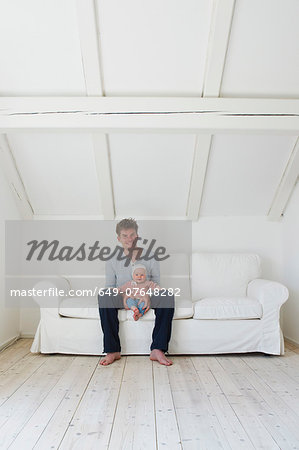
[(136, 289)]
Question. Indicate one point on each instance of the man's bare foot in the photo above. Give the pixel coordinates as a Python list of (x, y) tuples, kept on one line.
[(109, 358), (158, 355)]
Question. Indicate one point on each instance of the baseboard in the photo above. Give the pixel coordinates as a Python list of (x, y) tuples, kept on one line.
[(26, 335), (9, 342), (291, 341)]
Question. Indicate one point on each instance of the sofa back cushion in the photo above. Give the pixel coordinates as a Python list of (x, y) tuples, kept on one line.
[(87, 283), (175, 274), (177, 265), (223, 274)]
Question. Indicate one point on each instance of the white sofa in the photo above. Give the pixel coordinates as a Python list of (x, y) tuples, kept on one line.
[(226, 307)]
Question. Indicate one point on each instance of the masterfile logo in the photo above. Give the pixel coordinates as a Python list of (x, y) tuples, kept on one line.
[(53, 251), (78, 251)]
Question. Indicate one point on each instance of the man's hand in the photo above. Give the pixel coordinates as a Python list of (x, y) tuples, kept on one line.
[(147, 302)]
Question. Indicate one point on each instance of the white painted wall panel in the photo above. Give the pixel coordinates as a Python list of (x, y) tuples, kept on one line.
[(58, 171), (153, 48), (238, 234), (40, 48), (290, 245), (9, 317), (263, 54), (243, 174), (151, 173)]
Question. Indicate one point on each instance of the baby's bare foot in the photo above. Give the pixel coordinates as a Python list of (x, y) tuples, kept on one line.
[(136, 313), (110, 358)]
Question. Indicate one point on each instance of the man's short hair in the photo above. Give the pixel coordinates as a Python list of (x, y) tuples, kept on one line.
[(126, 224)]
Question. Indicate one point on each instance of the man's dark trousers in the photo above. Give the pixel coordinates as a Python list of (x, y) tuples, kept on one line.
[(163, 306)]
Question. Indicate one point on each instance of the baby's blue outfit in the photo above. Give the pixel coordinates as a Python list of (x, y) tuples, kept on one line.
[(134, 302)]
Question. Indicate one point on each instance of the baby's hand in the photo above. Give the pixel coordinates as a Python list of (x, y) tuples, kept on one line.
[(147, 303)]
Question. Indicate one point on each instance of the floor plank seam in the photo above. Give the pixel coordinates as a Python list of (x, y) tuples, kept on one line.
[(281, 399), (15, 362), (9, 344), (267, 383), (154, 403), (211, 406), (78, 404), (23, 382), (116, 405), (282, 369), (245, 398), (266, 406), (33, 412), (175, 411), (235, 413), (50, 418), (231, 406)]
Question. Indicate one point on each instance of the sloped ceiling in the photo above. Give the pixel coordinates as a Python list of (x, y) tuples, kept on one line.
[(157, 48), (154, 48), (262, 56), (40, 48)]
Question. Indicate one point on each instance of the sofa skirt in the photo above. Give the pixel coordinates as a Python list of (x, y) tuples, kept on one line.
[(189, 336)]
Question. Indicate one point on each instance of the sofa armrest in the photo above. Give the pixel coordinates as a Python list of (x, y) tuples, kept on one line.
[(269, 293), (49, 301)]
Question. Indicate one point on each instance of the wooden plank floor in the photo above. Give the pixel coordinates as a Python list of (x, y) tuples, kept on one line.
[(248, 401)]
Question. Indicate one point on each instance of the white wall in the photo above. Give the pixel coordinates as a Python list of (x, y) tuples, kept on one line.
[(29, 319), (242, 234), (9, 317), (290, 270)]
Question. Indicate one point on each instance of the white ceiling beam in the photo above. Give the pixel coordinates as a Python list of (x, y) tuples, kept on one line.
[(200, 163), (14, 179), (218, 43), (152, 114), (68, 217), (91, 60), (286, 185), (89, 42), (101, 217), (217, 48), (103, 168)]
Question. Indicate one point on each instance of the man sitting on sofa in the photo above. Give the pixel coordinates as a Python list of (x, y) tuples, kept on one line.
[(117, 274)]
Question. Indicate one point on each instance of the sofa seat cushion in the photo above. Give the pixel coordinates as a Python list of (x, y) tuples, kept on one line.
[(83, 308), (227, 308), (87, 308), (183, 310)]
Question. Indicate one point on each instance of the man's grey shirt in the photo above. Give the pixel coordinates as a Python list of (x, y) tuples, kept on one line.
[(118, 274)]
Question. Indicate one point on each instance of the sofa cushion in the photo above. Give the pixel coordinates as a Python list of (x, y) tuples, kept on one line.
[(223, 274), (87, 308), (178, 264), (183, 310), (83, 308), (228, 308)]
